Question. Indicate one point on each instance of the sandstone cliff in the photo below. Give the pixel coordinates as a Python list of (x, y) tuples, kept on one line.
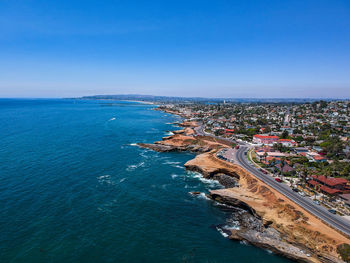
[(284, 228)]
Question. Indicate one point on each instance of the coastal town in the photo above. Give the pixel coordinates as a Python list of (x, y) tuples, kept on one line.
[(303, 145), (286, 165)]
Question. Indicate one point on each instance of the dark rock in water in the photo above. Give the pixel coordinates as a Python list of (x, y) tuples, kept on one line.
[(254, 230), (233, 202), (158, 147), (226, 180), (195, 193)]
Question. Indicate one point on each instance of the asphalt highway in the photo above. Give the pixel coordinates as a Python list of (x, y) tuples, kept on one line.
[(335, 221), (319, 211)]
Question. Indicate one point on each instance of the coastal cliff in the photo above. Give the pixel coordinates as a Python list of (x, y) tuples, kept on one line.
[(269, 220), (279, 224), (183, 140)]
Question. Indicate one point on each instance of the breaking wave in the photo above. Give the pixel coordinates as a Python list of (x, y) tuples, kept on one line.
[(209, 182), (133, 167)]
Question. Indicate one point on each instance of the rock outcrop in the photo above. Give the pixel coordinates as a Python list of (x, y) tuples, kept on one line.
[(266, 218), (274, 222), (184, 140)]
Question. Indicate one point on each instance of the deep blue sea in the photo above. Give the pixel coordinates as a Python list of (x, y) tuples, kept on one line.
[(75, 188)]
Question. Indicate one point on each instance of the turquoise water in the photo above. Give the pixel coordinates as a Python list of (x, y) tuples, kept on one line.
[(75, 188)]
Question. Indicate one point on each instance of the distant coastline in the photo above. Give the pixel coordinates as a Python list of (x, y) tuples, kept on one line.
[(140, 101)]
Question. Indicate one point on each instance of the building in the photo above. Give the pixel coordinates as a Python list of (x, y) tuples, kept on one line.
[(261, 156), (329, 185), (301, 150), (286, 168), (264, 139), (287, 142)]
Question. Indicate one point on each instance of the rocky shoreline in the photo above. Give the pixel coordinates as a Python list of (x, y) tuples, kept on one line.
[(266, 218)]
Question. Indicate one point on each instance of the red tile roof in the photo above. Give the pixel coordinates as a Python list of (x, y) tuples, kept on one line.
[(313, 182), (330, 190), (331, 181), (319, 157), (265, 136)]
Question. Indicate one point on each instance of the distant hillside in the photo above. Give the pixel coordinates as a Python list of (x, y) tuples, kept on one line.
[(169, 99)]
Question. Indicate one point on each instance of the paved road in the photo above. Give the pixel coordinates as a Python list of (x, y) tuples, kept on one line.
[(336, 221)]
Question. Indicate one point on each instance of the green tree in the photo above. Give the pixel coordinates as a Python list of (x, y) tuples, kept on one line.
[(285, 134)]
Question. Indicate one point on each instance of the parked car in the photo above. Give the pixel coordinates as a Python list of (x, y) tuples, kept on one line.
[(332, 211), (237, 147), (295, 190), (278, 180), (302, 193), (317, 202)]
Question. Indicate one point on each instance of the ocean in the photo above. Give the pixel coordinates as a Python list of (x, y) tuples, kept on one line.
[(75, 188)]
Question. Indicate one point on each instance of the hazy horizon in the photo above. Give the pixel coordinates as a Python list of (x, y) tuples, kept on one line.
[(184, 97), (221, 49)]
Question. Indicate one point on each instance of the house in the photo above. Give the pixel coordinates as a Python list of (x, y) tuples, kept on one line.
[(329, 185), (301, 150), (271, 160), (229, 131), (287, 142), (261, 155), (319, 158), (285, 169), (264, 139)]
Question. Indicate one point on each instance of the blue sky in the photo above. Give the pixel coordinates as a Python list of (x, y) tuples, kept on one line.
[(247, 48)]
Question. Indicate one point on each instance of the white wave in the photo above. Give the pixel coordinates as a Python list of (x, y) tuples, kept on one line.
[(200, 196), (146, 154), (174, 164), (162, 186), (105, 179), (170, 162), (133, 167), (209, 182), (102, 177), (203, 196), (112, 119), (191, 186), (234, 225), (108, 206), (243, 242), (122, 180), (174, 176), (221, 232), (169, 133), (133, 144), (225, 205)]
